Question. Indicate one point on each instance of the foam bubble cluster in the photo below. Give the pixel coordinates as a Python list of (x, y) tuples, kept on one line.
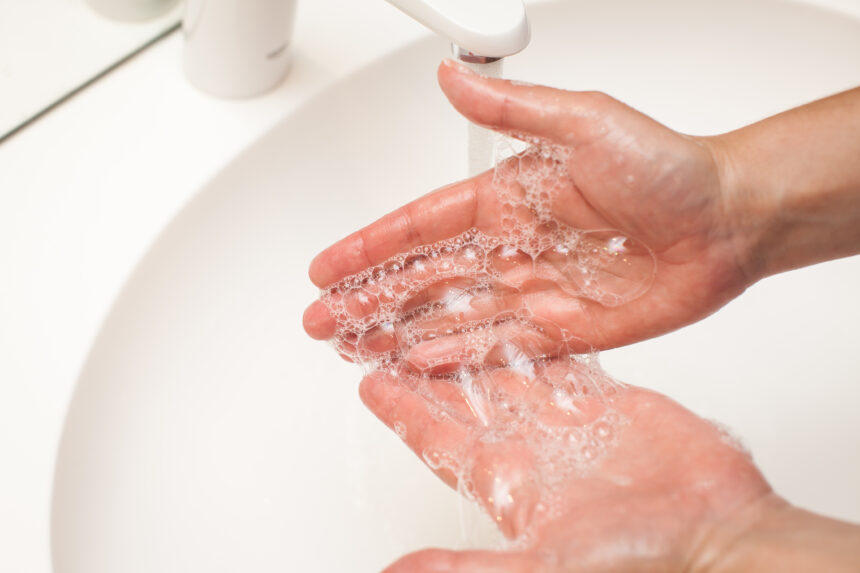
[(483, 326)]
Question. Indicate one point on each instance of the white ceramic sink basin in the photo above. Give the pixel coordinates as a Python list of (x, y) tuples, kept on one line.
[(208, 433)]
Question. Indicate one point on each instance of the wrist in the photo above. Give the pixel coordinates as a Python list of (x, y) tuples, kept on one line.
[(725, 547), (791, 186), (772, 535), (748, 213)]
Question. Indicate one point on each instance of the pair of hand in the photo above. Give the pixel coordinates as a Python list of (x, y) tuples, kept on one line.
[(673, 483)]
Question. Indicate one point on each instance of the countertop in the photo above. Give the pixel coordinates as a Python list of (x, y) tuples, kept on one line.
[(85, 191)]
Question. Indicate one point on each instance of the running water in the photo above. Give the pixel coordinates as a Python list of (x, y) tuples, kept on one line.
[(470, 325), (482, 141)]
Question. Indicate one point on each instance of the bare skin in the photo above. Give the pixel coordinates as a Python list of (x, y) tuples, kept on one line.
[(675, 183), (714, 219), (656, 503), (718, 214), (651, 504)]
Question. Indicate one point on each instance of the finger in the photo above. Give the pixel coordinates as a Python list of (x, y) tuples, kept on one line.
[(318, 321), (442, 561), (402, 286), (420, 280), (511, 344), (564, 117), (468, 312), (472, 290), (439, 215), (409, 414), (321, 319)]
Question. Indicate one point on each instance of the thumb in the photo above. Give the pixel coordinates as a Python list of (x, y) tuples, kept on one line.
[(442, 561), (563, 117)]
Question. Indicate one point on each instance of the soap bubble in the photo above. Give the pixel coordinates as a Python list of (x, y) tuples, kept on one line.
[(462, 323)]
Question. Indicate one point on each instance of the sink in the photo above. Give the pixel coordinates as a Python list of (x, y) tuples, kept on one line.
[(208, 433)]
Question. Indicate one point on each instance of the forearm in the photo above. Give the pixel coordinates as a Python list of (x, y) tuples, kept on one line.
[(792, 185), (776, 536)]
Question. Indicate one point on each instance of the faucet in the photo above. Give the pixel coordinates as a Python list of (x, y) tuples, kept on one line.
[(481, 31)]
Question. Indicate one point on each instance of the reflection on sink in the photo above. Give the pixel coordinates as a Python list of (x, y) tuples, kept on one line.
[(208, 433)]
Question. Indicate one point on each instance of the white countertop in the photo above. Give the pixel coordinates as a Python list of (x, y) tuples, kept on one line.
[(86, 190)]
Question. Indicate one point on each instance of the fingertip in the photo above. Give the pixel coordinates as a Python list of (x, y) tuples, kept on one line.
[(345, 257), (469, 92), (318, 322), (374, 390), (366, 390), (445, 561), (425, 561), (519, 107), (449, 68), (317, 270)]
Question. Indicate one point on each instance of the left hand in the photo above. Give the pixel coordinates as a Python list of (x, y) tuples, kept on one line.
[(662, 488)]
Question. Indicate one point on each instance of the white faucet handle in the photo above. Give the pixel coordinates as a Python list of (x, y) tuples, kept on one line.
[(487, 28)]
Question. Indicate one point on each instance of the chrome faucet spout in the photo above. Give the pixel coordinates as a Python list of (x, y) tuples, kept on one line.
[(469, 57)]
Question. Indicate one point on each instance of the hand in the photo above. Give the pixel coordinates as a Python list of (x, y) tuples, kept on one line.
[(645, 485), (619, 176)]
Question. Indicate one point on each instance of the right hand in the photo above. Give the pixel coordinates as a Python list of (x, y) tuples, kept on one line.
[(624, 171)]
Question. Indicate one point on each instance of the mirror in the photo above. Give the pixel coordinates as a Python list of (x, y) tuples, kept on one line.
[(50, 49)]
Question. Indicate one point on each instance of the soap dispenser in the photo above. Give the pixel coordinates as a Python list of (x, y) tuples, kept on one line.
[(131, 10), (237, 48)]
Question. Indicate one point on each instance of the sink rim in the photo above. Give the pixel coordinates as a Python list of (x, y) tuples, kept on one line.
[(189, 205)]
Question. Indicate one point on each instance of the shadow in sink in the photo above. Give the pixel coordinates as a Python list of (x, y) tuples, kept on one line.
[(208, 433)]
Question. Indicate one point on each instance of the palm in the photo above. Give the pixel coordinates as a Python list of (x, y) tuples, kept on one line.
[(662, 189), (643, 499)]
